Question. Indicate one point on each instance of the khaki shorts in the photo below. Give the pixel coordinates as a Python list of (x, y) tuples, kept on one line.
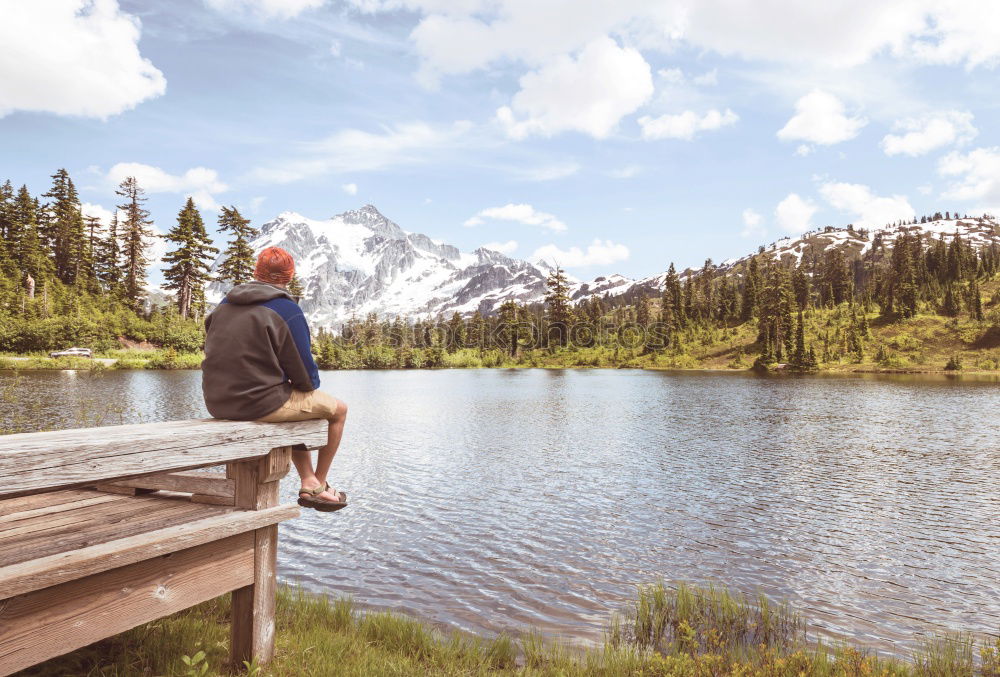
[(303, 406)]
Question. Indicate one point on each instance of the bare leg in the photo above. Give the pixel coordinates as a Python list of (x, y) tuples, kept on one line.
[(333, 436), (303, 460)]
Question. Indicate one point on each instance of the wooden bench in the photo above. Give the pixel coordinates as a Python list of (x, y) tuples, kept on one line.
[(104, 529)]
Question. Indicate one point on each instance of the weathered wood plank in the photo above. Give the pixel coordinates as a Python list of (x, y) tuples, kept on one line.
[(47, 461), (25, 507), (253, 606), (55, 620), (275, 465), (122, 490), (144, 515), (190, 482), (213, 500), (55, 569)]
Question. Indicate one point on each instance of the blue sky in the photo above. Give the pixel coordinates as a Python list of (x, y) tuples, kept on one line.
[(609, 136)]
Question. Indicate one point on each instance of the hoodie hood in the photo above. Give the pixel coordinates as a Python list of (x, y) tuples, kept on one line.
[(255, 292)]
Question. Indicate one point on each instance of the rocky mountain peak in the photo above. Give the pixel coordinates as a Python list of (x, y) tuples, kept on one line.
[(370, 217)]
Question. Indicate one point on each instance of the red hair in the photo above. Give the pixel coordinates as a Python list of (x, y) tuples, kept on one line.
[(274, 265)]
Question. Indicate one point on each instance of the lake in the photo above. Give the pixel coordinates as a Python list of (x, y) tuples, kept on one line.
[(496, 500)]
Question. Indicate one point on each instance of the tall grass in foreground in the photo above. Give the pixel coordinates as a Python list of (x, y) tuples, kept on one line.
[(697, 632)]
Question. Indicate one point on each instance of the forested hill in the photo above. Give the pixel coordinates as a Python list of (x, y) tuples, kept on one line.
[(911, 295)]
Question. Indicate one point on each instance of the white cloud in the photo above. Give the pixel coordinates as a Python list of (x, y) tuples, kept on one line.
[(794, 214), (626, 172), (548, 172), (709, 79), (977, 177), (685, 125), (103, 214), (266, 9), (73, 57), (335, 48), (356, 150), (804, 149), (350, 188), (460, 36), (255, 203), (674, 76), (508, 247), (598, 253), (752, 224), (867, 209), (588, 94), (820, 118), (925, 189), (200, 183), (929, 133), (521, 213)]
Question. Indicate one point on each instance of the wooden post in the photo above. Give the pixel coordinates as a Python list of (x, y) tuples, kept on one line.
[(253, 605)]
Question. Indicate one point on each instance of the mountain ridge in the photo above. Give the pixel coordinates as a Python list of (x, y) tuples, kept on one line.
[(360, 262)]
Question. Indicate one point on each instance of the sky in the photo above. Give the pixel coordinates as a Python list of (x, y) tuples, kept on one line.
[(604, 135)]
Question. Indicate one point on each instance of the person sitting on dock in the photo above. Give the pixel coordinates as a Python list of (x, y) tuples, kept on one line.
[(259, 367)]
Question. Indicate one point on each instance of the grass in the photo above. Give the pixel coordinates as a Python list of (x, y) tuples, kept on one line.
[(124, 359), (665, 632)]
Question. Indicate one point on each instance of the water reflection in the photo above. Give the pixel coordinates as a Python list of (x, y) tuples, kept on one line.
[(502, 500)]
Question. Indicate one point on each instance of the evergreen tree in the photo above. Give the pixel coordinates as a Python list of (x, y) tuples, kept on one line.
[(107, 259), (188, 264), (776, 310), (63, 231), (559, 311), (950, 307), (136, 231), (975, 300), (476, 337), (456, 333), (751, 290), (671, 307), (28, 251), (239, 262), (799, 356), (295, 287), (509, 326)]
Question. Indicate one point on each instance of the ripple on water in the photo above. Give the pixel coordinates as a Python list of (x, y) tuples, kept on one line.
[(508, 500)]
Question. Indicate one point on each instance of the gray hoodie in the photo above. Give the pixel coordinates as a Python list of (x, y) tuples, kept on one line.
[(257, 349)]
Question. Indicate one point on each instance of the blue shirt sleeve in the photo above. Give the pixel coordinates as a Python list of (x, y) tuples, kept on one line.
[(303, 341), (299, 329)]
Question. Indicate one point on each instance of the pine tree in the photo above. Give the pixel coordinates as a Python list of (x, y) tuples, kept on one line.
[(776, 309), (188, 264), (456, 333), (559, 312), (950, 307), (107, 259), (64, 231), (136, 230), (799, 356), (672, 304), (751, 291), (509, 325), (29, 251), (975, 300), (239, 256), (295, 287)]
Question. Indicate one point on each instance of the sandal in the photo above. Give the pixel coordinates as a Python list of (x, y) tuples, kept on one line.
[(321, 504)]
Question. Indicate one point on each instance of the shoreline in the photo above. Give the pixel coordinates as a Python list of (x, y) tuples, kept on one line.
[(664, 632), (155, 362)]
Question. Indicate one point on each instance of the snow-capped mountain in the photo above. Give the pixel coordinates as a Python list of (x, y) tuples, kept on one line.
[(360, 262), (979, 232)]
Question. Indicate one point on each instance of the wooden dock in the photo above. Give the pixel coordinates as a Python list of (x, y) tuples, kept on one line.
[(104, 529)]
